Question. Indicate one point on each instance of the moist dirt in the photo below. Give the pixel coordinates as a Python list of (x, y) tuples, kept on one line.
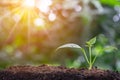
[(45, 72)]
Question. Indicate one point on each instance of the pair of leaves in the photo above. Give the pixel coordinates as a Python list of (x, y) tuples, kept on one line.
[(91, 42), (72, 45)]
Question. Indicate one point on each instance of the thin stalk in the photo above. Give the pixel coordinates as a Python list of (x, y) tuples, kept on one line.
[(85, 55), (90, 66), (90, 54), (94, 59)]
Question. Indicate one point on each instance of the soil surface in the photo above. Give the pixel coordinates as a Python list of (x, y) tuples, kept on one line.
[(45, 72)]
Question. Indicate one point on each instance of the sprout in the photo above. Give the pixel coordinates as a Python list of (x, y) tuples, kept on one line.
[(89, 44)]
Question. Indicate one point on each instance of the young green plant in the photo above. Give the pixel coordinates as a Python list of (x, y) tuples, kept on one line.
[(89, 44)]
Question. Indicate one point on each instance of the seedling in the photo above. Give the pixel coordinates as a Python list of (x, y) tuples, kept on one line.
[(89, 44)]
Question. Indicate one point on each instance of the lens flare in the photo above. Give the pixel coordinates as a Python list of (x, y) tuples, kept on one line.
[(29, 3), (29, 15)]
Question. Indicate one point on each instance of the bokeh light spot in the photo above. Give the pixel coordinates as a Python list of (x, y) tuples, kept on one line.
[(116, 18), (43, 5), (52, 16), (117, 8), (39, 22), (78, 8)]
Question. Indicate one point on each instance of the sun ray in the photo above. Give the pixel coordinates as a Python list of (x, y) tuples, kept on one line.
[(43, 27), (35, 15), (28, 29), (14, 27), (38, 15), (28, 14), (9, 13)]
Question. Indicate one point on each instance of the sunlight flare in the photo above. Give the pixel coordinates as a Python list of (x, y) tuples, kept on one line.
[(15, 26), (43, 5), (29, 3)]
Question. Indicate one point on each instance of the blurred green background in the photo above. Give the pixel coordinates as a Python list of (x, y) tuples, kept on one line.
[(31, 30)]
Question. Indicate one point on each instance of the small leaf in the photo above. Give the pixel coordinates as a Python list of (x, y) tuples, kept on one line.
[(69, 45), (91, 41), (110, 48)]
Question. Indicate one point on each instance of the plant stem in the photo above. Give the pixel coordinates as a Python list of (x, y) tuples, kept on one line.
[(85, 55), (94, 59), (90, 66), (90, 54)]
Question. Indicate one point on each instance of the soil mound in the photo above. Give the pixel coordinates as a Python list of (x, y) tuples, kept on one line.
[(45, 72)]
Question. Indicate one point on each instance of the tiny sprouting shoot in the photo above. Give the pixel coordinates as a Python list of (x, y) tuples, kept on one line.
[(89, 44)]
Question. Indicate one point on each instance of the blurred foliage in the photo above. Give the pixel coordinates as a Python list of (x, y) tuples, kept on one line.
[(111, 2), (30, 36)]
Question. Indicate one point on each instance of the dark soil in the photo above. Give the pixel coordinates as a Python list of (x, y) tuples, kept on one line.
[(45, 72)]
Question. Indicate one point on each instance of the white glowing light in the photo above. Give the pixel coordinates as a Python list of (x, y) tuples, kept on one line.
[(43, 5), (39, 22), (29, 3), (52, 16)]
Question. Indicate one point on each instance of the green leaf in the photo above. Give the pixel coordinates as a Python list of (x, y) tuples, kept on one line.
[(110, 2), (69, 45), (91, 41), (110, 48)]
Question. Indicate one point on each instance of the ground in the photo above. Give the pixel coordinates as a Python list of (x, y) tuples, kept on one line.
[(45, 72)]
